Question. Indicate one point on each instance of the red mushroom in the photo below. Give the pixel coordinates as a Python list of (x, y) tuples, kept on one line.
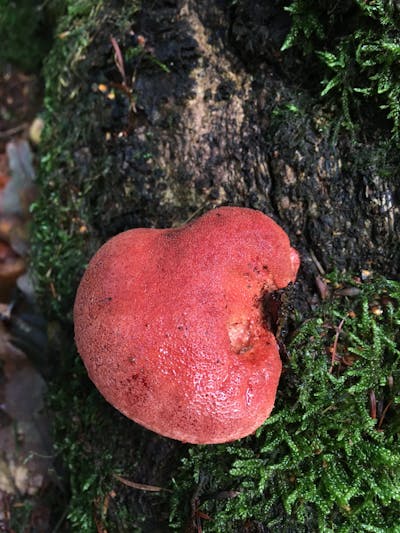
[(169, 324)]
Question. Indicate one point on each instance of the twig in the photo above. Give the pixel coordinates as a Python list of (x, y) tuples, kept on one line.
[(384, 414), (140, 486), (335, 343), (12, 131), (193, 215), (119, 60), (60, 521), (320, 268), (372, 399)]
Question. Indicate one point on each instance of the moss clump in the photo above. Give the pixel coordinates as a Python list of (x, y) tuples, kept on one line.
[(26, 28), (357, 44), (74, 160), (328, 458), (93, 442)]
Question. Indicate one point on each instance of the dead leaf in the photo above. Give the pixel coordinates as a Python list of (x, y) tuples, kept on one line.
[(35, 130), (26, 458), (20, 191), (11, 267)]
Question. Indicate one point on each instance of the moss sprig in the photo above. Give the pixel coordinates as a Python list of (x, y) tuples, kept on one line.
[(358, 45)]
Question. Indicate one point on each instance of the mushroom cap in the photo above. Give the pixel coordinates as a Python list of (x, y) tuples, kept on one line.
[(169, 324)]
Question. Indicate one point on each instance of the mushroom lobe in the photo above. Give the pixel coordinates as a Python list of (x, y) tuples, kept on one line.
[(170, 327)]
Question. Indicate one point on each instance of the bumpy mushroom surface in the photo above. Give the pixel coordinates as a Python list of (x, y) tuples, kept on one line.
[(169, 324)]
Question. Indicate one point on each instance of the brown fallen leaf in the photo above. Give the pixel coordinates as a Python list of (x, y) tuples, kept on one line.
[(6, 225), (26, 459), (4, 164), (4, 179), (11, 267), (20, 191), (322, 287), (10, 356)]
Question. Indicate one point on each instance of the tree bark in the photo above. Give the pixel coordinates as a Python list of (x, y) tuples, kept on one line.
[(219, 119)]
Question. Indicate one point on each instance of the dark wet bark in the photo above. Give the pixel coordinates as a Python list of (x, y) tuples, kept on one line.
[(211, 126)]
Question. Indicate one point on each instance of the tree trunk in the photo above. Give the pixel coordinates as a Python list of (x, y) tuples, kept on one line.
[(189, 106), (219, 119)]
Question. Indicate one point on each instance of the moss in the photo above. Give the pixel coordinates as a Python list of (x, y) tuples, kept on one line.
[(329, 457), (26, 28), (352, 49), (63, 215), (90, 440)]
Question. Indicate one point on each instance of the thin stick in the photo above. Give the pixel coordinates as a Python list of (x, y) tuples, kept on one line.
[(335, 343), (384, 414), (12, 131), (119, 60), (320, 268), (140, 486)]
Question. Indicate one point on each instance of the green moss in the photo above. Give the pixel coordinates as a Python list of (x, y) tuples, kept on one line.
[(73, 162), (328, 459), (358, 45), (94, 442), (26, 28)]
